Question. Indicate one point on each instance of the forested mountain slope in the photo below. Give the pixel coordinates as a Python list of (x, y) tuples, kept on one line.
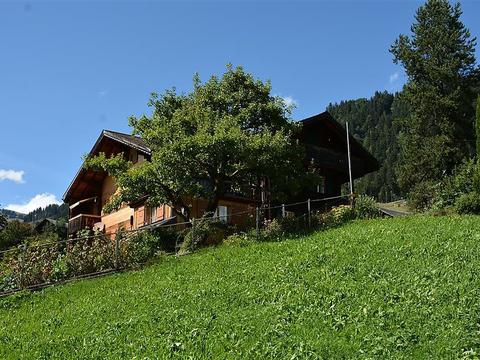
[(373, 122), (52, 211)]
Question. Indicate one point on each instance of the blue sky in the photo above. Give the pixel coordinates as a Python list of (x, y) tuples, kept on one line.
[(69, 70)]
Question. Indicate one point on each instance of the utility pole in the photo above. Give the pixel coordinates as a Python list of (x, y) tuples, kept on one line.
[(349, 164)]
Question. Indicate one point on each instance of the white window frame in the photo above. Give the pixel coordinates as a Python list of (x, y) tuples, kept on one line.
[(321, 185), (152, 215), (221, 213)]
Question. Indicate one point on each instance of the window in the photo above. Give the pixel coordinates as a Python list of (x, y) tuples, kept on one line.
[(152, 214), (222, 213), (321, 185)]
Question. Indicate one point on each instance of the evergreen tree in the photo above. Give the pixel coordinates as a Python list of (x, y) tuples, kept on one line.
[(52, 211), (439, 60), (373, 122), (477, 124), (3, 222)]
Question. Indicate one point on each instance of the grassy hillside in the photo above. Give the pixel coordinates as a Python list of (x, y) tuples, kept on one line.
[(391, 288)]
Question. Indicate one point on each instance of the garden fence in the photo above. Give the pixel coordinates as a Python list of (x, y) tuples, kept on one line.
[(38, 265)]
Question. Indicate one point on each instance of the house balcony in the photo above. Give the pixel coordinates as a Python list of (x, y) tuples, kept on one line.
[(82, 221)]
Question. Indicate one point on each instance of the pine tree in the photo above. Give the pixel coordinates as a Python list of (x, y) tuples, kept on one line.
[(477, 125), (3, 222), (439, 60)]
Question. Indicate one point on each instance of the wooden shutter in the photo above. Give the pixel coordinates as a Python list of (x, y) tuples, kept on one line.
[(140, 216)]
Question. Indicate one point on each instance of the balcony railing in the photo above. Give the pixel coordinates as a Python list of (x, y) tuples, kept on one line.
[(81, 222)]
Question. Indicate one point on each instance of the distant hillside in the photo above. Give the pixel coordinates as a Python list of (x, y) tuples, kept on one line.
[(372, 121), (10, 214), (53, 211)]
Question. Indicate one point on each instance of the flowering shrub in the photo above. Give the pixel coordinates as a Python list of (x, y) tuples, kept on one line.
[(335, 217), (366, 207)]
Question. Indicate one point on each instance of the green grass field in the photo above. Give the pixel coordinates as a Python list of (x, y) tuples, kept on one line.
[(388, 288)]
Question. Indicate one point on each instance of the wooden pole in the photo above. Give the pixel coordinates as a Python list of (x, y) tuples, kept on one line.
[(257, 221), (349, 165), (309, 214), (117, 250)]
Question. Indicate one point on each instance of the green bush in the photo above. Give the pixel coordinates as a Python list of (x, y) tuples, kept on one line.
[(206, 231), (14, 233), (422, 196), (137, 248), (468, 203), (335, 217), (366, 207), (273, 231)]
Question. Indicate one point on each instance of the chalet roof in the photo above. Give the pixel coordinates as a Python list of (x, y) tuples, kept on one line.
[(356, 147), (139, 144), (130, 140)]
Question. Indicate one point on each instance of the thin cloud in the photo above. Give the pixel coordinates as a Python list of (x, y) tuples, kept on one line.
[(12, 175), (289, 101), (102, 93), (38, 201), (394, 77)]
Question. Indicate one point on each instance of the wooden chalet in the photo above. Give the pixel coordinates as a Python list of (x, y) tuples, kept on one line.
[(326, 150)]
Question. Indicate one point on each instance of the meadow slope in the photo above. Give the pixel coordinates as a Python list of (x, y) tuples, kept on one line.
[(387, 288)]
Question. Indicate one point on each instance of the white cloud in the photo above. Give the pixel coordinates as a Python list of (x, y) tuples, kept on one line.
[(38, 201), (102, 93), (289, 101), (394, 77), (12, 175)]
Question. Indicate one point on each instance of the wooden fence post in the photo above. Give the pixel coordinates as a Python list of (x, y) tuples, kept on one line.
[(193, 244), (309, 214), (23, 252), (117, 251), (257, 221)]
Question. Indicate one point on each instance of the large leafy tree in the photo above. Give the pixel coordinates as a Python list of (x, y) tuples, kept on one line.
[(227, 134), (14, 233), (439, 60)]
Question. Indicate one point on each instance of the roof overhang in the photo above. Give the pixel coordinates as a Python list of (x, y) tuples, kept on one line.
[(120, 138), (371, 164)]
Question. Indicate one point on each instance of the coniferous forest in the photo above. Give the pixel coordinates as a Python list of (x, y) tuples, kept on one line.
[(374, 123)]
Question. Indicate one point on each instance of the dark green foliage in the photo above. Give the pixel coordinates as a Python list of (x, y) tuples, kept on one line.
[(205, 231), (140, 247), (439, 60), (477, 127), (468, 203), (374, 123), (3, 222), (14, 233), (404, 288), (464, 179), (366, 207)]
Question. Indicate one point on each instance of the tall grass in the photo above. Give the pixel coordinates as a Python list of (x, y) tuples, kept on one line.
[(386, 288)]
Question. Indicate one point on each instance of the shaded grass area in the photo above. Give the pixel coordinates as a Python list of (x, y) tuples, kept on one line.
[(387, 288)]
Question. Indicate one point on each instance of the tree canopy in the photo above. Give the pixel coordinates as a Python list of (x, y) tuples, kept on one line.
[(227, 134), (439, 60)]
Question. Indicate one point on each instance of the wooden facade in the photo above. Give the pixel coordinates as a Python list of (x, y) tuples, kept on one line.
[(326, 151)]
